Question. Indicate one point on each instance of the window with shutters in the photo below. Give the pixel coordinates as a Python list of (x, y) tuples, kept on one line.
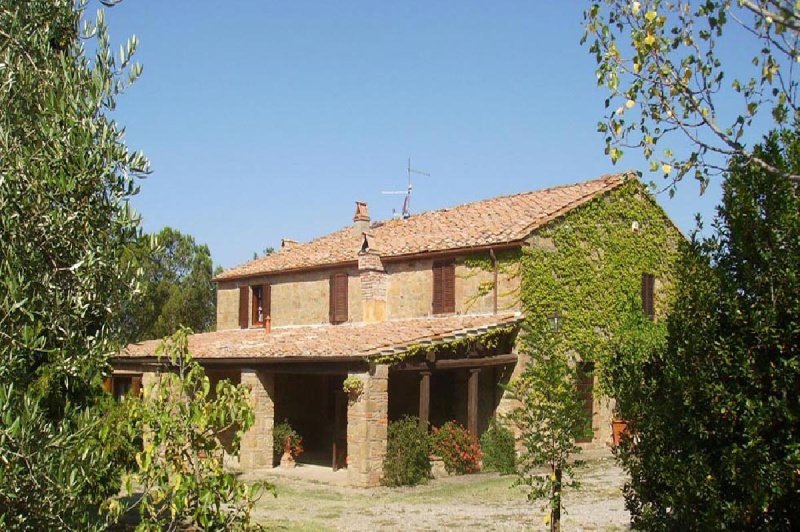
[(338, 298), (648, 298), (123, 385), (444, 287), (585, 377), (261, 304)]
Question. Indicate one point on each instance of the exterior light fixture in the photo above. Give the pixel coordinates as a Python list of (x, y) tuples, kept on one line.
[(555, 320)]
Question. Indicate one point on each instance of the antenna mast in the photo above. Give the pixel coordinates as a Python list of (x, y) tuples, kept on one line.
[(407, 200)]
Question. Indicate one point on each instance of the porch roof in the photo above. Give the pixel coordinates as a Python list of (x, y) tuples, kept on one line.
[(348, 340)]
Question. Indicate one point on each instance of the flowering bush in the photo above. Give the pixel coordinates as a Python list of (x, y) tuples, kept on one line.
[(457, 448), (286, 439)]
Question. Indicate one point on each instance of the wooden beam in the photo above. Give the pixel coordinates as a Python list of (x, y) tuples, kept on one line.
[(472, 402), (424, 399), (456, 363)]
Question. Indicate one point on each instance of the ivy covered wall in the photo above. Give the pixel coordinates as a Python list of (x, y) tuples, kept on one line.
[(588, 266)]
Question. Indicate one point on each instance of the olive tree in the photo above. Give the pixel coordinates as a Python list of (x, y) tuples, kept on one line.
[(65, 226), (687, 80)]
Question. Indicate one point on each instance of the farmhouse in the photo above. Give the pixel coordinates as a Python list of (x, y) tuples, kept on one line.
[(425, 313)]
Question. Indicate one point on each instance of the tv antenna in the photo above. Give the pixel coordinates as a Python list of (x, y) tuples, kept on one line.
[(407, 192)]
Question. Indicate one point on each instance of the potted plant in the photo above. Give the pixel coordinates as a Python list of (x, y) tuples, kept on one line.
[(618, 428), (353, 386), (288, 443)]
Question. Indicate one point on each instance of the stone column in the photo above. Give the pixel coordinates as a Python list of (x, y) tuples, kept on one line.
[(256, 448), (367, 425)]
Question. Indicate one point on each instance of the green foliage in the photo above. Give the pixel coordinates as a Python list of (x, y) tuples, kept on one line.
[(175, 287), (661, 64), (56, 474), (499, 451), (353, 385), (716, 411), (65, 179), (408, 448), (457, 449), (285, 438), (592, 271), (180, 479), (549, 419)]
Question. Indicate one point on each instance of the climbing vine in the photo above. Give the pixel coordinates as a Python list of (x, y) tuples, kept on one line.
[(508, 265), (490, 341), (588, 267)]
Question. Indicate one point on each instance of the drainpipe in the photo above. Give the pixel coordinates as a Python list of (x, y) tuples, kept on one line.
[(494, 264)]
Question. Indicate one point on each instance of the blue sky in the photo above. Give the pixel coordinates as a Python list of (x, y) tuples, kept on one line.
[(266, 120)]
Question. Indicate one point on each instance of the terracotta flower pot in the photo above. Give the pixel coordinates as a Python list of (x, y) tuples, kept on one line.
[(618, 428)]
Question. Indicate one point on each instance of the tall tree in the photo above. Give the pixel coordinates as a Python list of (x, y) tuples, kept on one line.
[(716, 413), (703, 71), (175, 289), (65, 179)]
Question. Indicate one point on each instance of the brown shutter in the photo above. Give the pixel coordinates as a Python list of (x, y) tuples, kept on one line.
[(438, 297), (266, 300), (444, 287), (449, 288), (244, 307), (136, 385), (648, 302), (338, 298), (107, 385), (332, 299)]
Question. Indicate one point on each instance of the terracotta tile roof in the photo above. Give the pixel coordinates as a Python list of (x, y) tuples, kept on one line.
[(347, 340), (489, 222)]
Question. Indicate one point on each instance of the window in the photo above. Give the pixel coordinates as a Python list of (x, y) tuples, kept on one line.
[(648, 300), (122, 385), (338, 298), (585, 377), (261, 304), (444, 287)]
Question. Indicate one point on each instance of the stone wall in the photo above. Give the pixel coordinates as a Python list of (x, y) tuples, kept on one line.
[(367, 426), (256, 445), (296, 299)]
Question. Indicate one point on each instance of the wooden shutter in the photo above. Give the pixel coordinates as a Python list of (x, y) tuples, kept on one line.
[(266, 300), (338, 298), (585, 379), (136, 385), (648, 301), (444, 287), (244, 307)]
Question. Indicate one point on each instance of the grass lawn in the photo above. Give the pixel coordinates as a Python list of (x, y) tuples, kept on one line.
[(485, 501)]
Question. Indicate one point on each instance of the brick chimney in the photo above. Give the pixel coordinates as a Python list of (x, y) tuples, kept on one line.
[(374, 281), (288, 243), (361, 218)]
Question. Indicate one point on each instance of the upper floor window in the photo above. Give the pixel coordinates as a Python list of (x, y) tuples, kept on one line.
[(444, 287), (648, 297), (338, 298), (254, 305), (261, 304), (122, 385)]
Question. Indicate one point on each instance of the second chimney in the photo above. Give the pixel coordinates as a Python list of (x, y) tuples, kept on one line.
[(361, 218)]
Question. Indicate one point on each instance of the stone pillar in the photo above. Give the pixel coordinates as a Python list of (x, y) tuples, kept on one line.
[(367, 425), (256, 448), (374, 281)]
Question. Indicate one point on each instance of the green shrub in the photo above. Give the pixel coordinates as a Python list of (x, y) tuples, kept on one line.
[(406, 462), (497, 444), (460, 453)]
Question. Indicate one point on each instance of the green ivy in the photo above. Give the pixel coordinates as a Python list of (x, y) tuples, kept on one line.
[(591, 266), (508, 264)]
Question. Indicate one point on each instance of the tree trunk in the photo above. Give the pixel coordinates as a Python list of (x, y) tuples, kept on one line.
[(555, 511)]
